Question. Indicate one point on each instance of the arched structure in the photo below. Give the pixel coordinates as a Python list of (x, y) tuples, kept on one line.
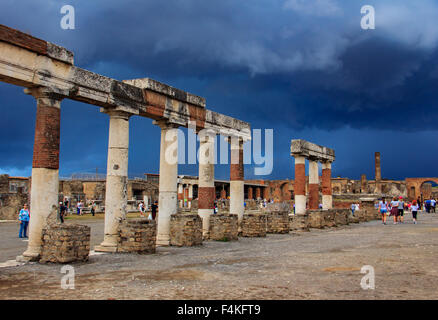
[(413, 186)]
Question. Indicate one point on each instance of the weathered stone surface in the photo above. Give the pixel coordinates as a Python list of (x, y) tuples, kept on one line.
[(253, 225), (277, 222), (137, 235), (299, 222), (316, 219), (65, 243), (341, 216), (223, 227), (185, 230), (311, 151)]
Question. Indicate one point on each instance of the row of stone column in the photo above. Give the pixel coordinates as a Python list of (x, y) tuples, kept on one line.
[(300, 185), (185, 193), (45, 174)]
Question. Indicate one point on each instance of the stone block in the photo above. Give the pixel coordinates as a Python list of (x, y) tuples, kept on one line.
[(224, 227), (137, 235), (253, 225), (277, 222), (185, 230), (74, 246)]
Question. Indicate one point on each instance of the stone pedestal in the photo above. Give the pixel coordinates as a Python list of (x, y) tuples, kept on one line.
[(223, 227), (277, 222), (185, 230), (316, 219), (65, 243), (253, 225), (341, 216), (299, 222), (137, 235), (329, 219)]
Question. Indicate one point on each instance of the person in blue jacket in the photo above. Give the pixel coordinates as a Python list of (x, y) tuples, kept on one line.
[(24, 217)]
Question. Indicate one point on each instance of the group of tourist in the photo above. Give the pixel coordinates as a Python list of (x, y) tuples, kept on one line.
[(396, 208), (154, 209)]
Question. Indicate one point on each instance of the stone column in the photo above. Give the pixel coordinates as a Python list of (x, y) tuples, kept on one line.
[(300, 185), (237, 193), (313, 185), (180, 195), (190, 196), (250, 193), (378, 173), (206, 190), (45, 166), (223, 192), (167, 199), (327, 198), (116, 195)]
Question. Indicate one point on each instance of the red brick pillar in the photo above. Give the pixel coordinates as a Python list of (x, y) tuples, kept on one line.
[(327, 198), (45, 166), (223, 193), (258, 193), (313, 185), (300, 185), (237, 193), (250, 194)]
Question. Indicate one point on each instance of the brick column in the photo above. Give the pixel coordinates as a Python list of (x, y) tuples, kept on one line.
[(250, 193), (206, 190), (167, 199), (45, 166), (190, 196), (180, 195), (300, 185), (313, 185), (258, 193), (237, 193), (116, 198), (327, 198), (223, 193)]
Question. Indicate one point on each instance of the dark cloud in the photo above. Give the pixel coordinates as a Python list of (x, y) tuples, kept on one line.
[(292, 65)]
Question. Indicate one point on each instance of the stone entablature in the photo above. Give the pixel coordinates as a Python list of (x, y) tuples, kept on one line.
[(311, 151)]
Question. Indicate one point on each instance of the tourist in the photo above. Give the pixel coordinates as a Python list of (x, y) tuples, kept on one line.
[(141, 208), (383, 209), (154, 208), (414, 208), (432, 205), (357, 207), (24, 217), (394, 209), (93, 208), (216, 209), (401, 207), (62, 210), (353, 207), (428, 204)]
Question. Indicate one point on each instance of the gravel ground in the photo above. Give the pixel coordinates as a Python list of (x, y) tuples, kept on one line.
[(320, 264)]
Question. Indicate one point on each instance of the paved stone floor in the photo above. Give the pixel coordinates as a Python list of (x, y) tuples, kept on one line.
[(320, 264)]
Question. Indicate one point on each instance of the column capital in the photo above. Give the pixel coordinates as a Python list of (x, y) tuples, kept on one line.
[(165, 124), (121, 113), (46, 92)]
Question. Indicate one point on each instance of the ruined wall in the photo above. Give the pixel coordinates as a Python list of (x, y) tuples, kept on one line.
[(11, 202)]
